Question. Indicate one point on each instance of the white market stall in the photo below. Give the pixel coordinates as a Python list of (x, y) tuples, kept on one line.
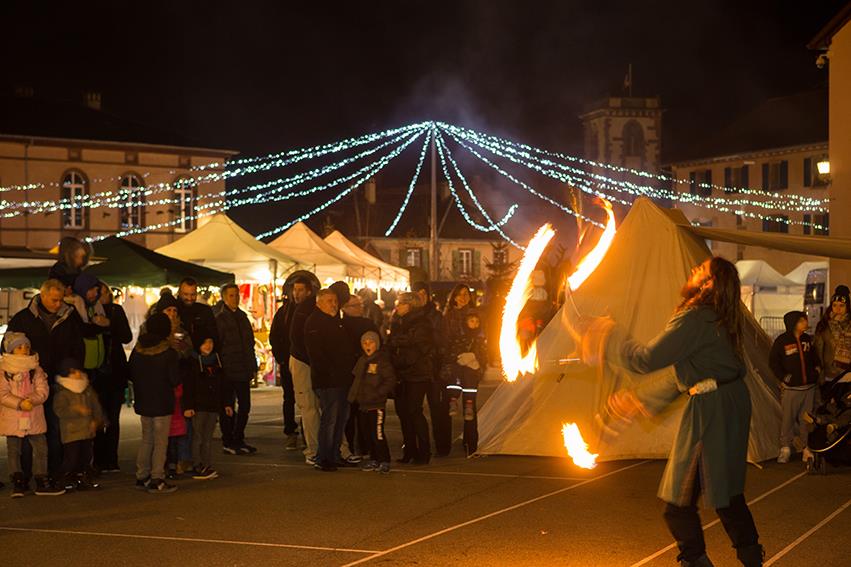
[(378, 273), (768, 294)]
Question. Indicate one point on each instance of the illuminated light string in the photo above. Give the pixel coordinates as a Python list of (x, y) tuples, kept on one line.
[(374, 167), (441, 150), (412, 184), (378, 167), (121, 199), (566, 178), (524, 185), (637, 172), (293, 156), (627, 186)]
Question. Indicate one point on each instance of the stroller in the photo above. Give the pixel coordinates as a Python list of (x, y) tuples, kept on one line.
[(830, 439)]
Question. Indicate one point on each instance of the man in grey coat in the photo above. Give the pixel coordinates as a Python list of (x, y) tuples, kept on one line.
[(703, 342)]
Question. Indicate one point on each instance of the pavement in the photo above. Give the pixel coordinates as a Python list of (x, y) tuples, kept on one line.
[(272, 509)]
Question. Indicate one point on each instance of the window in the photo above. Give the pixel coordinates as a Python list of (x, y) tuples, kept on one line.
[(735, 178), (775, 176), (821, 220), (465, 262), (812, 178), (184, 194), (780, 223), (73, 191), (413, 257), (132, 193), (808, 172), (700, 183), (633, 139)]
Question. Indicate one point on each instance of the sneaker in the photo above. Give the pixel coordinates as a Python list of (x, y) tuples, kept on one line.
[(205, 473), (172, 474), (453, 407), (46, 487), (159, 486), (291, 443), (19, 487), (785, 454), (228, 450), (84, 482), (384, 468), (469, 411), (370, 466), (353, 459), (345, 464), (142, 484), (110, 469), (245, 449), (310, 460), (325, 468)]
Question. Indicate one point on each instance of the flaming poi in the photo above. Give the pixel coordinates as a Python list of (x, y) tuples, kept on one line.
[(576, 447)]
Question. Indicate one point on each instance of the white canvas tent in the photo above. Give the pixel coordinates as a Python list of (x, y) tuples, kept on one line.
[(224, 245), (638, 283), (799, 274), (387, 275), (768, 294), (328, 263)]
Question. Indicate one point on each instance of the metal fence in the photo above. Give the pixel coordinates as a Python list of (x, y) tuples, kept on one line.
[(773, 326)]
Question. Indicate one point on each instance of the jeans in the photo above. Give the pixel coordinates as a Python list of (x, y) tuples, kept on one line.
[(233, 427), (684, 524), (150, 461), (334, 409), (76, 457), (14, 449), (106, 441), (418, 437), (793, 403), (308, 405), (288, 402), (203, 426), (371, 422)]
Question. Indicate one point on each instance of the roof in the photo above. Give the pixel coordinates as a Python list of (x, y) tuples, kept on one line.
[(385, 271), (780, 122), (823, 38), (41, 118), (760, 274)]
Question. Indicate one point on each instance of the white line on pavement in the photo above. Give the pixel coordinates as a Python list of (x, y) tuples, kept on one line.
[(714, 522), (189, 539), (807, 534), (490, 515)]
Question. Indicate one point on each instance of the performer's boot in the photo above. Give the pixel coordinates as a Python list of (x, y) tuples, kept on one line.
[(702, 561), (751, 556)]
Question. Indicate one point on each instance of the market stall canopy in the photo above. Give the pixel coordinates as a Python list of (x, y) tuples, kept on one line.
[(125, 263), (826, 246), (799, 275), (759, 273), (19, 257), (327, 262), (388, 275), (224, 245)]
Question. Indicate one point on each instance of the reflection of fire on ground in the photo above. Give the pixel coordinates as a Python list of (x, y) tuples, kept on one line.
[(519, 353)]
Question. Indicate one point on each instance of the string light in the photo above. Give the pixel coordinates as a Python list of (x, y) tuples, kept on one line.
[(412, 184)]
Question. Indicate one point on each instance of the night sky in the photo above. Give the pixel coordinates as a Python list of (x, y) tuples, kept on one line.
[(261, 77)]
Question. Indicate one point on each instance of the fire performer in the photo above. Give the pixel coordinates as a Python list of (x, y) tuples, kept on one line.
[(703, 341)]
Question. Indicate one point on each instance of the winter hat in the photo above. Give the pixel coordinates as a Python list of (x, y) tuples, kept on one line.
[(370, 336), (67, 365), (84, 283), (341, 290), (166, 300), (843, 294), (158, 325), (13, 340)]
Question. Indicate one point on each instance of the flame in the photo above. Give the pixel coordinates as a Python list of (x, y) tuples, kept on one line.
[(577, 448), (514, 364), (591, 260)]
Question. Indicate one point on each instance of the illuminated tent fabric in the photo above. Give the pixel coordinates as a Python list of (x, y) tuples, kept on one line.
[(326, 261), (638, 283), (767, 293), (224, 245), (826, 246), (376, 268), (799, 274)]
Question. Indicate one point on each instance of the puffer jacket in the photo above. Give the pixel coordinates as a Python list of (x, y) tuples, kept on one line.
[(154, 371), (826, 346), (374, 381), (793, 359), (236, 348), (73, 425), (412, 347), (16, 387)]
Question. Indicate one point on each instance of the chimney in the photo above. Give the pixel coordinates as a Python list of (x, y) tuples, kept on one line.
[(92, 99)]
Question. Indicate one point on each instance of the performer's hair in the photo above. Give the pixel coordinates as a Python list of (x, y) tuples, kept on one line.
[(724, 297)]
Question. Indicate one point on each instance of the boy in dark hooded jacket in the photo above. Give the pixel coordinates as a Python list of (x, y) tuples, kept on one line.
[(794, 362), (374, 381)]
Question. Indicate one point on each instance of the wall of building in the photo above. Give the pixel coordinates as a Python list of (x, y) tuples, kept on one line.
[(779, 260), (48, 162), (840, 146)]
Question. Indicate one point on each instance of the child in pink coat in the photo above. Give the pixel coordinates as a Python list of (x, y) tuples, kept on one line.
[(23, 391)]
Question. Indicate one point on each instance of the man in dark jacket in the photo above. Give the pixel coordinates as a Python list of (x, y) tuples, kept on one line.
[(197, 318), (110, 381), (279, 338), (236, 350), (305, 397), (412, 347), (54, 330), (794, 362), (331, 363), (438, 399), (154, 371)]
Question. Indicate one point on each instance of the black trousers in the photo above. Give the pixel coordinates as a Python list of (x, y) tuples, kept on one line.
[(471, 426), (441, 422), (106, 441), (404, 420), (288, 404), (418, 435), (684, 524), (356, 436), (233, 427), (76, 457), (372, 423)]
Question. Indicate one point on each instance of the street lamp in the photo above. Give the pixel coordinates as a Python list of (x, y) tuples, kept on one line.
[(823, 166)]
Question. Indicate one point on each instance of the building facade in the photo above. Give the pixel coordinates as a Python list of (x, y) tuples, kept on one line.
[(624, 131)]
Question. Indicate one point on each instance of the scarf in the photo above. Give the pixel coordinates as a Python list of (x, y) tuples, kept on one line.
[(18, 363), (76, 386)]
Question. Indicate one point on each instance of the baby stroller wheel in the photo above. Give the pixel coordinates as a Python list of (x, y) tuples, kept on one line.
[(817, 465)]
